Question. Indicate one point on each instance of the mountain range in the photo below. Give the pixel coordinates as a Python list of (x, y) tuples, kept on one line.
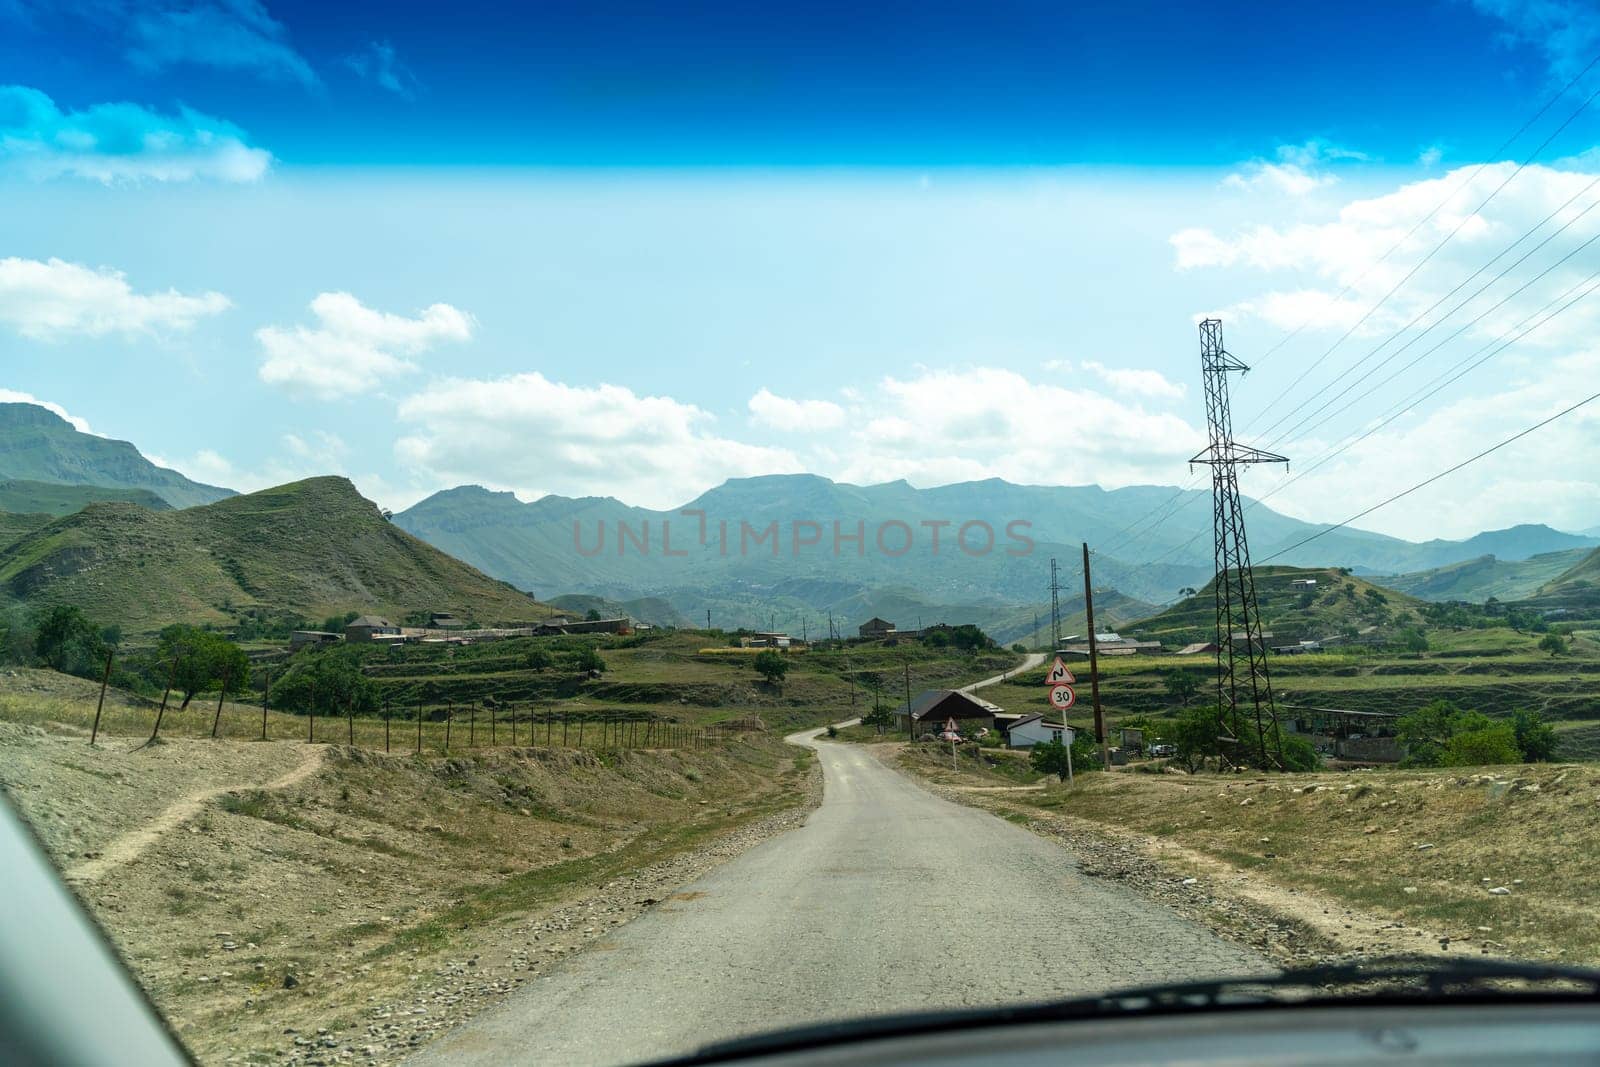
[(780, 550), (603, 547)]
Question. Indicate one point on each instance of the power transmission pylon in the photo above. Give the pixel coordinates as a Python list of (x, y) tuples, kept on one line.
[(1055, 609), (1234, 586)]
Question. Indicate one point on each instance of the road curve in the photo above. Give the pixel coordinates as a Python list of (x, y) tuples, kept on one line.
[(888, 899)]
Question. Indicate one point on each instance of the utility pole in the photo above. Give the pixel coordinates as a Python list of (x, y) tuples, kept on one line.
[(1094, 663), (908, 698), (708, 618), (1234, 586), (1055, 609)]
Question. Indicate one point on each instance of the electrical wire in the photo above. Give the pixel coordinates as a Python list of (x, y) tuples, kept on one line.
[(1519, 435)]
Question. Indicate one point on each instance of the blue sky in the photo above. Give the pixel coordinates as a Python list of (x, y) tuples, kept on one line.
[(617, 249)]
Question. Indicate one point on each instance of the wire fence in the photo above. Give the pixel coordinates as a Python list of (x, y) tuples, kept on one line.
[(423, 728)]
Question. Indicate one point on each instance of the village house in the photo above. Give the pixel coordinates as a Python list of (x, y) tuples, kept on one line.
[(930, 710), (1032, 730), (367, 627), (876, 627), (302, 638)]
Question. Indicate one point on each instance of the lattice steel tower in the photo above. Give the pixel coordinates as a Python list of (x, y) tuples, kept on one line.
[(1244, 689)]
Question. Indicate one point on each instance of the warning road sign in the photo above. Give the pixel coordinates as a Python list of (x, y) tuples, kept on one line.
[(1058, 673), (1062, 697)]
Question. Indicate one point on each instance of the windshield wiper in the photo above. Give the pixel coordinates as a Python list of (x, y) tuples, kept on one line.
[(1406, 980)]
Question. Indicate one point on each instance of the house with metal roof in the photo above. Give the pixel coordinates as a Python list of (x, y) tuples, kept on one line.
[(928, 712), (367, 627)]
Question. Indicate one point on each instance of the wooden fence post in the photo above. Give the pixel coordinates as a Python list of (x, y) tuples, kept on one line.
[(266, 695), (563, 729), (350, 721), (104, 679), (216, 720), (449, 713), (172, 674), (472, 726), (493, 741)]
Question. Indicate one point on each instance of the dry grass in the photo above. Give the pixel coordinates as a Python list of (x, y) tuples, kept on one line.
[(1420, 847), (362, 878)]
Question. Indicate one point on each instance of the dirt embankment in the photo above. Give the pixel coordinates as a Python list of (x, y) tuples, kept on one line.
[(1472, 861), (284, 902)]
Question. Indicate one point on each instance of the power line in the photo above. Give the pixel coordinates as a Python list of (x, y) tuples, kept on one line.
[(1440, 381), (1468, 217), (1459, 286), (1507, 143), (1444, 473), (1457, 333)]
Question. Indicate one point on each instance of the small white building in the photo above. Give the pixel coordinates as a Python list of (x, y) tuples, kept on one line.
[(1032, 730)]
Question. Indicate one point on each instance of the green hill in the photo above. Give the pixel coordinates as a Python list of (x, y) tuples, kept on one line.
[(1479, 579), (38, 445), (650, 610), (1576, 589), (311, 548), (49, 498), (1338, 605)]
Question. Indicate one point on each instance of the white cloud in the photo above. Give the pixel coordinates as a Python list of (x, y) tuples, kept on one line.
[(535, 436), (1567, 32), (1136, 382), (13, 396), (1349, 253), (782, 413), (1294, 173), (379, 64), (225, 34), (354, 348), (1287, 179), (54, 299), (120, 142), (951, 425)]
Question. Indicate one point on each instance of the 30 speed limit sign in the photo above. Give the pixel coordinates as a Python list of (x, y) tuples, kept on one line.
[(1062, 697)]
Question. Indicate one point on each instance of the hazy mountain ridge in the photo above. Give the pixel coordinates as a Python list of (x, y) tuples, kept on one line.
[(38, 445), (559, 545)]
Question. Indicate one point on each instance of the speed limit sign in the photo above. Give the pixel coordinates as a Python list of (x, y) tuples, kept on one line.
[(1062, 697)]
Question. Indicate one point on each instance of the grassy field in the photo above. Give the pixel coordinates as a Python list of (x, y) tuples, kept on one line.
[(1419, 847), (1492, 671)]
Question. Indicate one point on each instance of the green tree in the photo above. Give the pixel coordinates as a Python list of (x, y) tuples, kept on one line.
[(1427, 732), (590, 660), (1049, 757), (880, 718), (538, 658), (1491, 744), (1554, 644), (1299, 754), (1412, 639), (1195, 736), (330, 683), (200, 659), (592, 615), (67, 641), (772, 665), (1180, 684), (1536, 739)]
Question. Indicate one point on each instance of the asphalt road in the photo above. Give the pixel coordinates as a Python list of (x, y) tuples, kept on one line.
[(888, 899)]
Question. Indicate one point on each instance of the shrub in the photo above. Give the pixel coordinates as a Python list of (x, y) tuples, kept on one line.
[(1492, 744), (1536, 739), (589, 659), (771, 665), (1554, 644)]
